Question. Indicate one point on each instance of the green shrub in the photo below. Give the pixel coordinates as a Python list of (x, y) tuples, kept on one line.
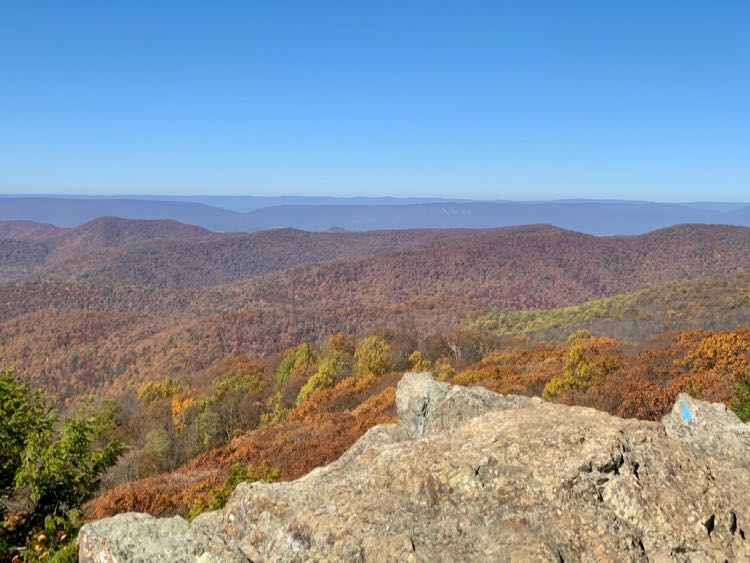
[(275, 411), (322, 379), (293, 359), (741, 401), (50, 468), (23, 413)]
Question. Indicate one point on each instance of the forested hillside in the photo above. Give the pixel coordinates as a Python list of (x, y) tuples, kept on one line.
[(167, 254), (711, 303), (309, 405), (114, 302), (202, 359)]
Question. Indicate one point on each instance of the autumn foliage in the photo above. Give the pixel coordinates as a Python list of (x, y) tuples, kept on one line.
[(626, 380), (268, 354)]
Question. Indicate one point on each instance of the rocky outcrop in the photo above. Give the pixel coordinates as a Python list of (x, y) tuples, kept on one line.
[(469, 475)]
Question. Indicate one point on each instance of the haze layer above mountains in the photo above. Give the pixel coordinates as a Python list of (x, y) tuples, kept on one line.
[(246, 214)]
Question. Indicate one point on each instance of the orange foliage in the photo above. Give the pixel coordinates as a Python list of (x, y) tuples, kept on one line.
[(314, 436), (521, 370), (716, 363), (636, 383), (126, 302)]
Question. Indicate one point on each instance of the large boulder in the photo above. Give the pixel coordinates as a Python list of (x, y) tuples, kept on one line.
[(470, 475)]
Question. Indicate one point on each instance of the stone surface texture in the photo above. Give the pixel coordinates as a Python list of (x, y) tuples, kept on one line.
[(469, 475)]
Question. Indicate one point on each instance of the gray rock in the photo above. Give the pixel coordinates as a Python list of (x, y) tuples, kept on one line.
[(468, 475), (709, 427), (141, 538), (416, 395)]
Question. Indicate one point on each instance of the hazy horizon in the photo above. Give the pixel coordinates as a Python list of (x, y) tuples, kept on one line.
[(354, 196)]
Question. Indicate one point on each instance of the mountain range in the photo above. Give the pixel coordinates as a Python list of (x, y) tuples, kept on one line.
[(115, 301), (248, 214)]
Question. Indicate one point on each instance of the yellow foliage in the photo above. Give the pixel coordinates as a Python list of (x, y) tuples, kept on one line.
[(293, 359), (419, 363), (470, 376), (445, 372), (322, 379), (717, 363), (372, 357), (155, 390), (180, 409), (588, 362), (276, 412), (726, 351)]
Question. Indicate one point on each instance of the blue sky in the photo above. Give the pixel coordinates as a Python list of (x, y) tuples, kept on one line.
[(517, 100)]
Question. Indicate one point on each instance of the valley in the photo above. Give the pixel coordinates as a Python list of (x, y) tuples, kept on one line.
[(115, 302)]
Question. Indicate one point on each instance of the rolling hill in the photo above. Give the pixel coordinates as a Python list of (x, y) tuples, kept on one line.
[(169, 254), (711, 303), (547, 265), (116, 302), (514, 267)]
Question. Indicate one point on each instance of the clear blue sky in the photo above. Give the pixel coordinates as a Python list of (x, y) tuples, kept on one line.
[(520, 100)]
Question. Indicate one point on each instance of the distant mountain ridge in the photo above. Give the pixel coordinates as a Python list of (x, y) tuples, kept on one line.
[(599, 217), (66, 212), (244, 204), (170, 255)]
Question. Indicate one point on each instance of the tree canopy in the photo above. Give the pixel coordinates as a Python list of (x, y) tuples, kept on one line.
[(49, 469)]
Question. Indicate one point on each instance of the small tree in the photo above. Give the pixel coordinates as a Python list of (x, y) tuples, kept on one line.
[(589, 361), (372, 357), (157, 446), (48, 470), (275, 410), (208, 426), (23, 414), (333, 364), (293, 359), (238, 393), (62, 472), (418, 363), (321, 379)]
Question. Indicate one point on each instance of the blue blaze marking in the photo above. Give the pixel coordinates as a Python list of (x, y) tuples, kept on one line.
[(687, 416)]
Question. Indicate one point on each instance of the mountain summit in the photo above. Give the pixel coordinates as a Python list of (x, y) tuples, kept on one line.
[(469, 475)]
